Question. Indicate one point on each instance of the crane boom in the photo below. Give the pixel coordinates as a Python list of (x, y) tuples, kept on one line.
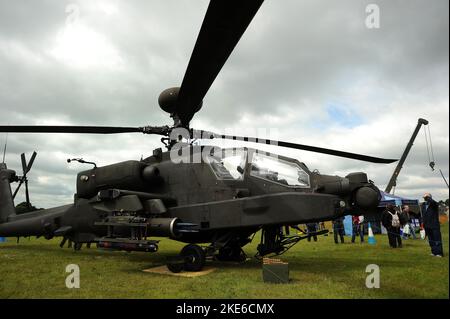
[(393, 180)]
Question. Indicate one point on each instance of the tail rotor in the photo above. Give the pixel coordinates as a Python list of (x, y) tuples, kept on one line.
[(26, 167)]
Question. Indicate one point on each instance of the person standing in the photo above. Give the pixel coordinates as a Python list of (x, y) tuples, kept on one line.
[(338, 229), (357, 228), (322, 226), (430, 219), (409, 221), (363, 226), (391, 221), (312, 229)]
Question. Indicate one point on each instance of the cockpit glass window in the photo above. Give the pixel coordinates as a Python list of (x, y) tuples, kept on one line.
[(279, 171), (230, 167)]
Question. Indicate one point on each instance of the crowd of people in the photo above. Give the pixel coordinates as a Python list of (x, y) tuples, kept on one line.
[(393, 220), (399, 223)]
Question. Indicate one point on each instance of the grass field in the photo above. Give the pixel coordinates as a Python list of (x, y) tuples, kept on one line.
[(36, 269)]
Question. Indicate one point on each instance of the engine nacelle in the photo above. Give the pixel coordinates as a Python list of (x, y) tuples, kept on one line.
[(367, 197), (129, 175), (365, 194), (356, 186)]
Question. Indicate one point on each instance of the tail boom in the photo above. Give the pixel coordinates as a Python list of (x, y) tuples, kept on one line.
[(37, 223)]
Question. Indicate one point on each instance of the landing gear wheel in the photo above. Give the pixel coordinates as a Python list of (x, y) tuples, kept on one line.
[(175, 268), (195, 257), (228, 253)]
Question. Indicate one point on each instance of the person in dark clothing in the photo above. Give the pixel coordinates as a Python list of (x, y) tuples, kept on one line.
[(338, 229), (430, 219), (391, 221), (357, 222), (312, 228), (409, 220)]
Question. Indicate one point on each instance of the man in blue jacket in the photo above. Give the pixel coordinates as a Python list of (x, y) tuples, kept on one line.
[(430, 218)]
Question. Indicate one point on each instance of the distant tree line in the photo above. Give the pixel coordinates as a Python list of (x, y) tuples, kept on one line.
[(23, 208), (443, 207)]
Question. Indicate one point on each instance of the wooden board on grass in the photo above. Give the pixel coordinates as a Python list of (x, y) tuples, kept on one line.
[(163, 270)]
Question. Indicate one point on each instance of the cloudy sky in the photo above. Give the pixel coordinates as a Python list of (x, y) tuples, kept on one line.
[(305, 71)]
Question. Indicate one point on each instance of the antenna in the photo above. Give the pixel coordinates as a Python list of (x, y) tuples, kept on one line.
[(4, 149)]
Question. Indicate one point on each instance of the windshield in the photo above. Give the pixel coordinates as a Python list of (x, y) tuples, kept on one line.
[(231, 166), (279, 171)]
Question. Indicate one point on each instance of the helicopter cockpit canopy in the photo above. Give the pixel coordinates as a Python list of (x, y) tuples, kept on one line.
[(230, 164), (275, 169)]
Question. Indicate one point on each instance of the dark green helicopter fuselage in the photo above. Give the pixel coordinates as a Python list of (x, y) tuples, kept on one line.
[(197, 199)]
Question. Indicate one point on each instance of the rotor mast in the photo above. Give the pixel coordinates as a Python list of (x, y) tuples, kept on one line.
[(393, 181)]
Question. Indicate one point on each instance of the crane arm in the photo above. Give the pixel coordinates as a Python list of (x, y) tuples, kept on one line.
[(393, 180)]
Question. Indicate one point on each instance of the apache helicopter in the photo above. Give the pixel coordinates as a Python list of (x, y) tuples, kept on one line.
[(192, 193)]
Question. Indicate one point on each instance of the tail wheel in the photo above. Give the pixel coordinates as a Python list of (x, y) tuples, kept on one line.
[(195, 257)]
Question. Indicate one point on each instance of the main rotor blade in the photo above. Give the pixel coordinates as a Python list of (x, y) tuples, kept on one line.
[(68, 129), (224, 23), (360, 157)]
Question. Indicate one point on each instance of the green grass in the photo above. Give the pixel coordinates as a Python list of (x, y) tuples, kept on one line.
[(36, 269)]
